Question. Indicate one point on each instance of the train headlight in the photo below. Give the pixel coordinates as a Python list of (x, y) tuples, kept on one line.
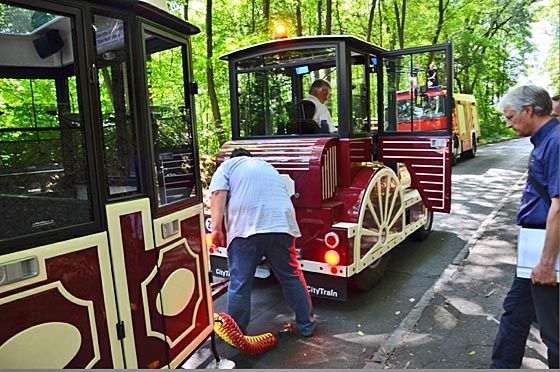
[(332, 257), (209, 243), (332, 240)]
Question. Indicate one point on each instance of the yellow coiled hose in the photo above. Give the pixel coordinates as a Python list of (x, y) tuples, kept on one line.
[(227, 329)]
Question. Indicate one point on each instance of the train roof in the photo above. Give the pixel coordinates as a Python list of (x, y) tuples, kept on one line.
[(142, 8), (302, 41)]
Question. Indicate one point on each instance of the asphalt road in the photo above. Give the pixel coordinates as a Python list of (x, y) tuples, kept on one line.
[(350, 334)]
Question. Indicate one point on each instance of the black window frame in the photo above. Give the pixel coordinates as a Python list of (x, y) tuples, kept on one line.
[(76, 15), (146, 134)]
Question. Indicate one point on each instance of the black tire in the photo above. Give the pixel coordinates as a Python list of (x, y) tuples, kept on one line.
[(454, 159), (455, 151), (371, 275), (472, 152), (422, 233)]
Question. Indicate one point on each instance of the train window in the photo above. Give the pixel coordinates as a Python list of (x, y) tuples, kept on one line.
[(44, 175), (171, 122), (120, 145), (270, 90), (266, 105), (359, 85), (416, 94)]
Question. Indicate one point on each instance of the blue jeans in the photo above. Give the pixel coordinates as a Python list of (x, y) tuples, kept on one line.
[(523, 303), (244, 255)]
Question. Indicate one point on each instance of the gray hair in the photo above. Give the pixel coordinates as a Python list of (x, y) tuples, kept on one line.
[(527, 95), (318, 85)]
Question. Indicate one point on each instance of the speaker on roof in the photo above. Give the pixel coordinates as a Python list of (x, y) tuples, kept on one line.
[(48, 44)]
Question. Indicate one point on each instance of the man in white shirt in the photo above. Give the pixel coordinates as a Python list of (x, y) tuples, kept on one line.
[(318, 94), (250, 196)]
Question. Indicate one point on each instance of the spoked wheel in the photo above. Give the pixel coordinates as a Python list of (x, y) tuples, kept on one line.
[(380, 221)]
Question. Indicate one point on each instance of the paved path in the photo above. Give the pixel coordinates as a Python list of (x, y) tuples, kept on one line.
[(454, 324)]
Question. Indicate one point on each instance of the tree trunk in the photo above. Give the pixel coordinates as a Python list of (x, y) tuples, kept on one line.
[(328, 18), (220, 133), (403, 23), (441, 11), (400, 15), (299, 30), (266, 14), (319, 17), (370, 20)]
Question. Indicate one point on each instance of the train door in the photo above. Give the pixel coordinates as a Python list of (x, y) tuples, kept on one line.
[(102, 263), (425, 149)]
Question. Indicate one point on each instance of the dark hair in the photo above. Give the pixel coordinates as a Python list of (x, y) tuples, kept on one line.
[(240, 152)]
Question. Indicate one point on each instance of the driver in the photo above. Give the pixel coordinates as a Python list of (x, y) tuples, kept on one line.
[(318, 94)]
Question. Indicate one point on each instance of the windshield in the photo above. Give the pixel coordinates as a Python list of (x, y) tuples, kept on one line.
[(423, 112), (272, 87)]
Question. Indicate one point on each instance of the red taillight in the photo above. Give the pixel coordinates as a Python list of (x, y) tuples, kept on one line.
[(332, 257), (332, 240)]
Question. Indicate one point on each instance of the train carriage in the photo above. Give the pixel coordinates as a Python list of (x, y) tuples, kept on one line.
[(360, 191), (103, 261)]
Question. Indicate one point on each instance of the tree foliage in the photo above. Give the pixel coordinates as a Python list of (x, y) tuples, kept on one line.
[(491, 41)]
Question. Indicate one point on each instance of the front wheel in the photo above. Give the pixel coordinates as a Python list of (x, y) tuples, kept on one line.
[(423, 232), (368, 277)]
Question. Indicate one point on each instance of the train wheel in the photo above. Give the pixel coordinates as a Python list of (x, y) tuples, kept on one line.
[(423, 232), (381, 220), (368, 277)]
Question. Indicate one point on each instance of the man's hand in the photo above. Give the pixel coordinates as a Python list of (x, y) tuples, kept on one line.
[(544, 275), (217, 209), (218, 239)]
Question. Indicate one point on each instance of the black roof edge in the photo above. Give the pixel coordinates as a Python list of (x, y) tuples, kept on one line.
[(285, 43), (154, 13)]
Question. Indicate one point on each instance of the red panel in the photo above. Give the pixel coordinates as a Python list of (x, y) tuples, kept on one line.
[(352, 196), (352, 151), (152, 351), (298, 157), (191, 231), (79, 274), (428, 160), (139, 265)]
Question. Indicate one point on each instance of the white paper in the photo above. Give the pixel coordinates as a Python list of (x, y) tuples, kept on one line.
[(530, 243)]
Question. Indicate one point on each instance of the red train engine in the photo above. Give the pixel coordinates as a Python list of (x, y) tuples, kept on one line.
[(360, 191)]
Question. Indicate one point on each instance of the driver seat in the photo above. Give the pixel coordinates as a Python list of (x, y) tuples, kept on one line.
[(307, 124)]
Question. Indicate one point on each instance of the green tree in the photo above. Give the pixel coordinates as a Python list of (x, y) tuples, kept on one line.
[(490, 54)]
